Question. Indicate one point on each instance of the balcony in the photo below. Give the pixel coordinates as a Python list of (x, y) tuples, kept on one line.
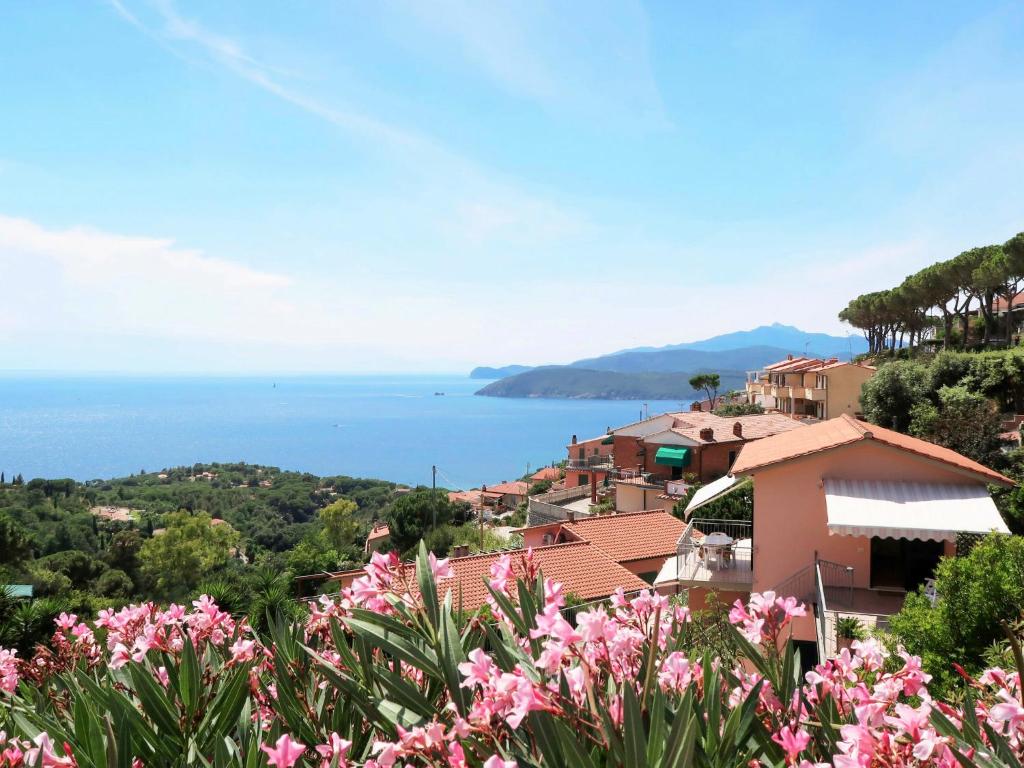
[(638, 477), (591, 462), (814, 393), (716, 553)]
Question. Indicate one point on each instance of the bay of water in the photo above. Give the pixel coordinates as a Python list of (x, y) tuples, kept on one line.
[(387, 427)]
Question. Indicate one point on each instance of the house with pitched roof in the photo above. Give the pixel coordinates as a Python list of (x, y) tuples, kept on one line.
[(847, 516), (585, 571), (640, 542), (653, 457), (804, 387), (504, 495)]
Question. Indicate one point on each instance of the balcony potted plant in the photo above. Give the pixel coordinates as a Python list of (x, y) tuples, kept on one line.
[(848, 629)]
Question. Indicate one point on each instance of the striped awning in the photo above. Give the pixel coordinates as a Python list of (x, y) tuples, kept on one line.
[(895, 510), (713, 491)]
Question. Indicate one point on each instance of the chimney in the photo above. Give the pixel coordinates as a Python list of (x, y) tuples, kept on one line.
[(789, 357), (462, 550), (570, 516), (737, 429), (574, 439), (707, 434), (696, 406)]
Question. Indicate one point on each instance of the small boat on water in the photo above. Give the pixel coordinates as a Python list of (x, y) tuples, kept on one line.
[(439, 394)]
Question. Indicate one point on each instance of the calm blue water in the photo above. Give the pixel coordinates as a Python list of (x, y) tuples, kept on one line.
[(388, 427)]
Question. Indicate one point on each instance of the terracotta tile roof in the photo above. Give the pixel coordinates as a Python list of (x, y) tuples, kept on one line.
[(846, 430), (754, 426), (1000, 302), (632, 535), (469, 497), (582, 568), (517, 488), (378, 532), (841, 363), (547, 473)]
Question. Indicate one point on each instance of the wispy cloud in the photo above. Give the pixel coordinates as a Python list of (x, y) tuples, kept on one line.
[(541, 51)]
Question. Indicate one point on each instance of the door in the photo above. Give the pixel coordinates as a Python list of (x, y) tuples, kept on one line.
[(903, 563)]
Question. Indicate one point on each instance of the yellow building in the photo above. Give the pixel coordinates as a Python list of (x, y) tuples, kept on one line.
[(805, 387)]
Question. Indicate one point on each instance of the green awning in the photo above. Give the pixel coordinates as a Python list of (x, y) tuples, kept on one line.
[(608, 440), (672, 457)]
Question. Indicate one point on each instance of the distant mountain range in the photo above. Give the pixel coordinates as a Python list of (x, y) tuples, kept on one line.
[(639, 372)]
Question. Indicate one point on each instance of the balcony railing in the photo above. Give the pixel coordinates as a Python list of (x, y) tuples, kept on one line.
[(716, 552), (639, 477), (591, 462)]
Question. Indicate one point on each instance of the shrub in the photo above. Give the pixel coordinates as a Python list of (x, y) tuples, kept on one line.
[(975, 594), (389, 675)]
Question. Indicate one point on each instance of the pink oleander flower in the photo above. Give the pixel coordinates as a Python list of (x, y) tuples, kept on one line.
[(494, 761), (66, 620), (478, 670), (440, 568), (242, 651), (8, 670), (336, 749), (42, 754), (793, 740), (284, 753)]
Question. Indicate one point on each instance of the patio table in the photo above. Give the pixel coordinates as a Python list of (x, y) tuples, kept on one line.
[(716, 544)]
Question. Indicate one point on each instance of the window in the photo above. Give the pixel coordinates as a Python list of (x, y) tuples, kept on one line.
[(582, 453), (732, 458), (584, 479)]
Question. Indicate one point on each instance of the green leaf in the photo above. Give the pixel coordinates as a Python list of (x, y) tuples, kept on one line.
[(189, 678), (428, 589), (634, 733), (396, 714), (395, 644)]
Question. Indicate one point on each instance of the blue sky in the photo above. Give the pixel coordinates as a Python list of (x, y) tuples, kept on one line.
[(319, 186)]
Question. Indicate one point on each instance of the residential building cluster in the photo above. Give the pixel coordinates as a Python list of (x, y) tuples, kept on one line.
[(845, 515)]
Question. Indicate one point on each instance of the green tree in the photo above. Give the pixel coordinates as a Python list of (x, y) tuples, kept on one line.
[(340, 526), (411, 514), (964, 421), (188, 551), (975, 593), (890, 395), (709, 382), (15, 546), (114, 583), (312, 555)]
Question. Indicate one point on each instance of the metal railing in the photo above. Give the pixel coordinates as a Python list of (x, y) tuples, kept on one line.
[(638, 476), (591, 462), (825, 648), (800, 585), (724, 558), (836, 582)]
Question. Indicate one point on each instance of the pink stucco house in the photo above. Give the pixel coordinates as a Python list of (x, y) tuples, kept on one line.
[(848, 516)]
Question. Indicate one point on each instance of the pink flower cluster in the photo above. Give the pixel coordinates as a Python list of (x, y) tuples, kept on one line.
[(577, 671)]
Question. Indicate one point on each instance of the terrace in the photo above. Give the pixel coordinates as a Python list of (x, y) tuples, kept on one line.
[(715, 553)]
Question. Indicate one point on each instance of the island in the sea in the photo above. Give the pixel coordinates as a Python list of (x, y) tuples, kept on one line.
[(663, 373)]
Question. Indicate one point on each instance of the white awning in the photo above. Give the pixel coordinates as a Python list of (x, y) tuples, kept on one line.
[(927, 511), (714, 490)]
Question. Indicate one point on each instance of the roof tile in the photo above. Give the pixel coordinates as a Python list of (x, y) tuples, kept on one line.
[(846, 430)]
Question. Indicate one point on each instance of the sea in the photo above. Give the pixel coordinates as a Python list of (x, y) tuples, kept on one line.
[(393, 427)]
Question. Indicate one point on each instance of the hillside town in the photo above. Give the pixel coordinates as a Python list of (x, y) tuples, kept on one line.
[(845, 515)]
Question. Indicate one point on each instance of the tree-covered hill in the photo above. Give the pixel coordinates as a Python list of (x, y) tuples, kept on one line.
[(163, 534)]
